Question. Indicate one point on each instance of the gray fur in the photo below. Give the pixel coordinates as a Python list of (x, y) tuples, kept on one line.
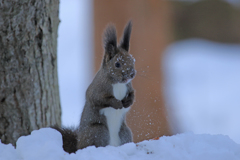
[(93, 128)]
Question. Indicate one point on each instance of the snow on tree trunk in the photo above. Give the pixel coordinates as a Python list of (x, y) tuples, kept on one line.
[(29, 96)]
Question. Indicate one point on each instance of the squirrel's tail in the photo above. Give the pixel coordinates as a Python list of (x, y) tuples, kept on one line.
[(69, 136)]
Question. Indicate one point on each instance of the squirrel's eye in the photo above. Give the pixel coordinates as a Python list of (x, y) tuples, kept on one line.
[(118, 65)]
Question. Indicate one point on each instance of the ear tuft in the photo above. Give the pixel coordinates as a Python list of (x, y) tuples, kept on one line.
[(126, 36), (110, 41)]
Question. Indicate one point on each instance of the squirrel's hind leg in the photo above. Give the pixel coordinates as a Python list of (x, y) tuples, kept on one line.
[(125, 134), (95, 135)]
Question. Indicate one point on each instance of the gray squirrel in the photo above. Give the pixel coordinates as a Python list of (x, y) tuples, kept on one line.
[(108, 98)]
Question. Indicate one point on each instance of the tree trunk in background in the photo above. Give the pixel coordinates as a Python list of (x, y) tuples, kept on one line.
[(150, 36), (29, 97)]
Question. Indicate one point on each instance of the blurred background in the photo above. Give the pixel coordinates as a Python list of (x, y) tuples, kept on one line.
[(187, 59)]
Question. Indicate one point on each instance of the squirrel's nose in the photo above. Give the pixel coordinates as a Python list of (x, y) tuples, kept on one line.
[(132, 74)]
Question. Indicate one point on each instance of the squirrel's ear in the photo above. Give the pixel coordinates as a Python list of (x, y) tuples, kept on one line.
[(110, 42), (126, 36)]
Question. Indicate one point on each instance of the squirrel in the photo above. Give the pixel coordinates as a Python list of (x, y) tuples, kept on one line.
[(108, 98)]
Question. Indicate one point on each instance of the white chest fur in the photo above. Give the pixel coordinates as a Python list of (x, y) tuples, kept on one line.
[(119, 90), (115, 116), (114, 120)]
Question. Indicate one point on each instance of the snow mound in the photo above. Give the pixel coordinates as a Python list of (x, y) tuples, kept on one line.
[(43, 144), (46, 144)]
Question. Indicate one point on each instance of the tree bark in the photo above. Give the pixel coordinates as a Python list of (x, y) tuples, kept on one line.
[(29, 96)]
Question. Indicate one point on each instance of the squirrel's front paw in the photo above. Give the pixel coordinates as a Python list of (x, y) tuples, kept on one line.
[(117, 105), (128, 101)]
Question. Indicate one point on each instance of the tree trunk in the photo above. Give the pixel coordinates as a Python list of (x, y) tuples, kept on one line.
[(29, 97)]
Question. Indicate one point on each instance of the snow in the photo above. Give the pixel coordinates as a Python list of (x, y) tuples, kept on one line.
[(41, 144), (203, 87), (46, 144)]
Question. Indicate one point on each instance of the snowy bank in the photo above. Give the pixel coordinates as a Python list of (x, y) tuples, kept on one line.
[(46, 144)]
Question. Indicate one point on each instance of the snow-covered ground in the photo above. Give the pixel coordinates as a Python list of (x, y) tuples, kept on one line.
[(46, 144), (203, 87)]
